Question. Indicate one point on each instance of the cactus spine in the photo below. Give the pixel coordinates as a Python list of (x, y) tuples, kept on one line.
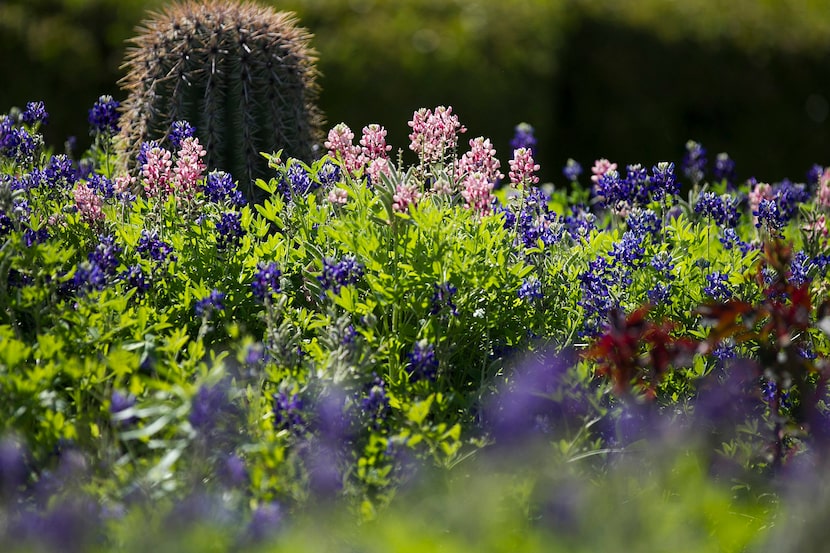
[(244, 75)]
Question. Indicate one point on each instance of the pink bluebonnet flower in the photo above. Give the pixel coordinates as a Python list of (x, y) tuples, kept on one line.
[(434, 134), (823, 195), (600, 168), (818, 229), (88, 203), (377, 167), (477, 192), (123, 183), (480, 159), (157, 171), (522, 168), (189, 167), (340, 145), (373, 143), (338, 196), (406, 194)]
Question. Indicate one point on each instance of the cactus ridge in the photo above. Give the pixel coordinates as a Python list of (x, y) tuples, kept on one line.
[(244, 75)]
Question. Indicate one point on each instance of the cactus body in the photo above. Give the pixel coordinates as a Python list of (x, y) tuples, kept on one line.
[(244, 75)]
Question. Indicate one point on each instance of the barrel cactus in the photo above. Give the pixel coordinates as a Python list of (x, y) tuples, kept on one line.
[(242, 74)]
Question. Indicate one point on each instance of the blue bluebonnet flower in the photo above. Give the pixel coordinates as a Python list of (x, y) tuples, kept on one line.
[(597, 301), (59, 172), (724, 169), (723, 210), (135, 278), (789, 196), (799, 266), (610, 189), (266, 281), (629, 250), (141, 157), (348, 336), (814, 174), (297, 181), (531, 289), (725, 351), (423, 365), (32, 237), (17, 144), (537, 222), (663, 182), (266, 519), (255, 354), (580, 222), (104, 116), (220, 187), (180, 130), (523, 138), (6, 224), (376, 402), (572, 170), (509, 215), (328, 174), (150, 246), (442, 298), (338, 273), (769, 391), (211, 303), (769, 216), (660, 294), (229, 229), (717, 286), (105, 254), (643, 221), (101, 185), (694, 161), (232, 471), (89, 276), (35, 113), (13, 471), (821, 262), (120, 402), (208, 405), (730, 239), (288, 411), (662, 263), (637, 184)]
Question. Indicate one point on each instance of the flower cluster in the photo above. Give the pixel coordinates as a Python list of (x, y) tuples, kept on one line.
[(434, 134), (339, 273), (229, 230), (478, 193), (212, 303), (694, 161), (422, 365), (104, 116), (717, 286), (220, 188), (721, 209), (531, 289), (523, 138), (523, 168), (481, 158), (151, 247), (266, 281), (288, 411), (376, 403)]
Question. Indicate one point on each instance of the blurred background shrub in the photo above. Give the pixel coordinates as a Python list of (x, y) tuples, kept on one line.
[(631, 81)]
